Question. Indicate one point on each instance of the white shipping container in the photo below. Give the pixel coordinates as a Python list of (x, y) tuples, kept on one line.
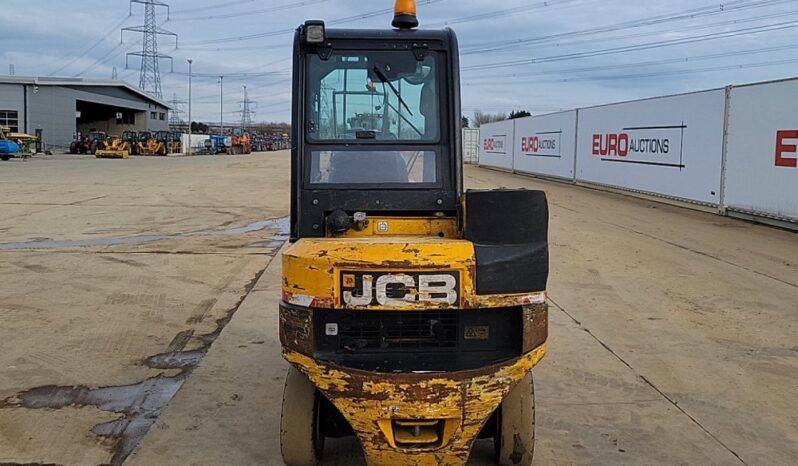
[(471, 145), (544, 145), (762, 155), (496, 145), (668, 146), (197, 142)]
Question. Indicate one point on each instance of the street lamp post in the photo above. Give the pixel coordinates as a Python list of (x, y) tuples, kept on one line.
[(221, 105), (190, 61)]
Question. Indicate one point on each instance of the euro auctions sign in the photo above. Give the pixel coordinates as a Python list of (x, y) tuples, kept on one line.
[(546, 144), (786, 149), (644, 145), (495, 144)]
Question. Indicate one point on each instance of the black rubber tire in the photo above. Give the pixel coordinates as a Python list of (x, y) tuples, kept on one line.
[(301, 441), (514, 442), (5, 157)]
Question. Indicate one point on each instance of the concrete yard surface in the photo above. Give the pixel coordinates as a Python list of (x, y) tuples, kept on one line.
[(139, 307)]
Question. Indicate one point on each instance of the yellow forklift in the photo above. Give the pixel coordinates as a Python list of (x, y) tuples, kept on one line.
[(412, 311)]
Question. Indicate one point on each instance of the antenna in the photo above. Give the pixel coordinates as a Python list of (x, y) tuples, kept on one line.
[(150, 78), (11, 70), (114, 74)]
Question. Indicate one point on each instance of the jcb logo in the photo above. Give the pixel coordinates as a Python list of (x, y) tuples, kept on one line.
[(399, 289)]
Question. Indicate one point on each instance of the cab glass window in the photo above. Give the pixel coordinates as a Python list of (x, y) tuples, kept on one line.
[(373, 97), (411, 167)]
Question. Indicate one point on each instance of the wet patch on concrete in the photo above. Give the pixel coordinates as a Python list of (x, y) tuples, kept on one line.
[(282, 225), (139, 404)]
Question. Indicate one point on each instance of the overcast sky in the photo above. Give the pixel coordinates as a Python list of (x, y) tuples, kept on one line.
[(537, 55)]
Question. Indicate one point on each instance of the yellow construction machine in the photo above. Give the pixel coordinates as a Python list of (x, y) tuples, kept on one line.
[(148, 144), (114, 147), (412, 311)]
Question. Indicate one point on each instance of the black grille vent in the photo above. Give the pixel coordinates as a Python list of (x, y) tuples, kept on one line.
[(377, 331), (406, 341)]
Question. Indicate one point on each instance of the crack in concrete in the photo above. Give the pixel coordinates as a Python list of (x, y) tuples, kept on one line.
[(704, 254), (649, 383)]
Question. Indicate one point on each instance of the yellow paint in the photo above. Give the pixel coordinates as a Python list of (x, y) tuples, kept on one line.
[(313, 272), (371, 401), (407, 226), (312, 268)]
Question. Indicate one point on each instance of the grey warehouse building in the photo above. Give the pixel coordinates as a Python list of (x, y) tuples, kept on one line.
[(56, 109)]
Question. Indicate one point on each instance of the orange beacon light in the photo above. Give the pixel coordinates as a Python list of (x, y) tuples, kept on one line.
[(404, 14)]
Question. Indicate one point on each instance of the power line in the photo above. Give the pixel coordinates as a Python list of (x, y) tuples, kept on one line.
[(348, 19), (691, 28), (216, 6), (690, 59), (659, 73), (639, 47), (733, 6), (493, 14), (102, 60), (273, 9), (92, 47)]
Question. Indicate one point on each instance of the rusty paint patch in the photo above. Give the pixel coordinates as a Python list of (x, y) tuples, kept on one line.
[(364, 398)]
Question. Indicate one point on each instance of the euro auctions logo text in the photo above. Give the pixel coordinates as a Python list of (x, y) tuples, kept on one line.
[(537, 144), (784, 149), (495, 144), (621, 145)]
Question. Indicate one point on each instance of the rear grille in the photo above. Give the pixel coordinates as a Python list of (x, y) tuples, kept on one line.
[(379, 331), (417, 340)]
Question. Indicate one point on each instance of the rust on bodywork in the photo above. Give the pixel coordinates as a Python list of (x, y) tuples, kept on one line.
[(536, 325), (460, 402), (366, 400), (296, 329)]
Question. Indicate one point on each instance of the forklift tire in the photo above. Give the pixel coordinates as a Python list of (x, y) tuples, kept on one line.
[(301, 440), (5, 157), (514, 442)]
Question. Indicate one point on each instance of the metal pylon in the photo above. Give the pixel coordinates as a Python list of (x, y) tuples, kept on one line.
[(150, 78), (247, 111)]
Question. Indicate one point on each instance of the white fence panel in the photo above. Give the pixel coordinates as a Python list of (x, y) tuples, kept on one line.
[(544, 145), (762, 156), (496, 148), (669, 146)]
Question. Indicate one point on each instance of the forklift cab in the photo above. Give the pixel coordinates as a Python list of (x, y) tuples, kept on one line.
[(379, 130), (412, 311)]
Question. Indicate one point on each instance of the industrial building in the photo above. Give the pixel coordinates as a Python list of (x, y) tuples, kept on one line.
[(56, 109)]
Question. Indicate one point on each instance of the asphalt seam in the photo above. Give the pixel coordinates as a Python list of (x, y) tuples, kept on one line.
[(648, 382)]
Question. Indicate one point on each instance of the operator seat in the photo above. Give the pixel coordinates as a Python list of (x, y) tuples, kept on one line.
[(367, 167)]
